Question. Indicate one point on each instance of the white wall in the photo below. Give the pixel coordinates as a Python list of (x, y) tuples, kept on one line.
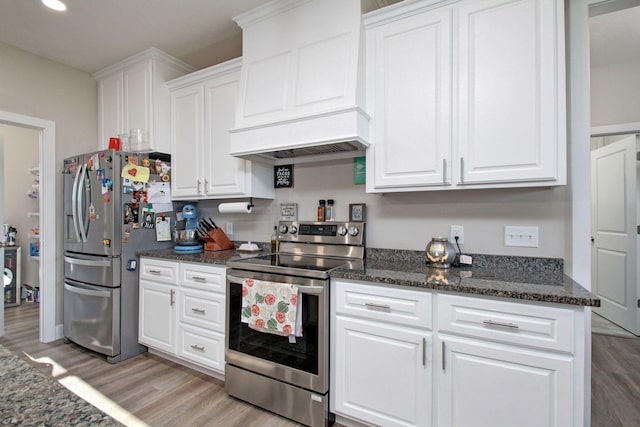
[(615, 94), (21, 151), (40, 88), (409, 220)]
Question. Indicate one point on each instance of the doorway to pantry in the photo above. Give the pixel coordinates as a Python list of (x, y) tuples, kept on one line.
[(46, 202), (21, 190)]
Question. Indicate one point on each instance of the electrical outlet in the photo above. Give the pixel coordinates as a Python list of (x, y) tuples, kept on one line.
[(457, 230), (521, 236), (229, 229)]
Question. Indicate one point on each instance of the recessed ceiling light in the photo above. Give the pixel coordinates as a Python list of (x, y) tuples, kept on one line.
[(55, 5)]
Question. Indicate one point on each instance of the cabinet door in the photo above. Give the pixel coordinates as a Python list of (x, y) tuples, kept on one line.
[(138, 107), (223, 174), (510, 104), (408, 81), (382, 373), (492, 385), (157, 316), (110, 103), (186, 142)]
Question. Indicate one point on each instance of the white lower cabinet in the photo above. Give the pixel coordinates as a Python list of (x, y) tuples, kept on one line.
[(185, 319), (493, 385), (383, 373), (382, 355), (478, 362), (157, 315)]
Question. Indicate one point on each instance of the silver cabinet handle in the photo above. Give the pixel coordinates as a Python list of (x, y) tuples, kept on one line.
[(199, 310), (198, 189), (424, 352), (444, 171), (172, 301), (197, 347), (199, 279), (461, 170), (500, 324), (156, 272), (206, 186), (443, 355), (375, 306)]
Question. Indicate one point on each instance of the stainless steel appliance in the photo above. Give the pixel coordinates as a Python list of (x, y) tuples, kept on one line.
[(285, 375), (104, 226)]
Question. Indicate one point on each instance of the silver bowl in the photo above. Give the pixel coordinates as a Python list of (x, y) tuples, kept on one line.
[(185, 237)]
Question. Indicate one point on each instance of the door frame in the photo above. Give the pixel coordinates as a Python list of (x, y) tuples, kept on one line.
[(48, 276)]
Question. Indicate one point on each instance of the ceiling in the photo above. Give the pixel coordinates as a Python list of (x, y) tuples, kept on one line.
[(93, 34)]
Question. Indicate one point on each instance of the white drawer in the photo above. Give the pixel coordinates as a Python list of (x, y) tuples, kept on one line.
[(157, 270), (509, 322), (204, 309), (202, 347), (203, 276), (401, 306)]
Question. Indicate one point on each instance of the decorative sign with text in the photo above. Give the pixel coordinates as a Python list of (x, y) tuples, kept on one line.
[(283, 176)]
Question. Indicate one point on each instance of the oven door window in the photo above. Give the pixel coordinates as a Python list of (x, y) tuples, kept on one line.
[(300, 354)]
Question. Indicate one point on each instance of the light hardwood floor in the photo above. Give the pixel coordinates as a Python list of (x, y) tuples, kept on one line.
[(155, 391), (158, 392)]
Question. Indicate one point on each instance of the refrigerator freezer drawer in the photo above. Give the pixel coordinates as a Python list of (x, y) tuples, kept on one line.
[(92, 317), (95, 270)]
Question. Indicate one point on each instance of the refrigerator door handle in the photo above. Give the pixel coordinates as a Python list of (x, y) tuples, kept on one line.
[(88, 262), (89, 292), (74, 203), (80, 206)]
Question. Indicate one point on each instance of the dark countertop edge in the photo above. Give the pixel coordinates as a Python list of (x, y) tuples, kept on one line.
[(582, 297), (568, 292)]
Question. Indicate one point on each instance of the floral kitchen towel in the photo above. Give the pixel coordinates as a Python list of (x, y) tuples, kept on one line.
[(272, 307)]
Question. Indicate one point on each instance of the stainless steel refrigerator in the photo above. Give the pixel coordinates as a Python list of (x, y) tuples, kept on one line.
[(107, 219)]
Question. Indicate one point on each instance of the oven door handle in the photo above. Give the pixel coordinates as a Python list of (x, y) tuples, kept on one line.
[(311, 290)]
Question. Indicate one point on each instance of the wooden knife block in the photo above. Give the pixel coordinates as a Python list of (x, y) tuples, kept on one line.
[(217, 240)]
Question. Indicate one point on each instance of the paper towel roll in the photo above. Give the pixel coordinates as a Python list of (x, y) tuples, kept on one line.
[(238, 207)]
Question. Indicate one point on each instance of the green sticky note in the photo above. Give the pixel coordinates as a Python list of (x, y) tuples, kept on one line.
[(359, 170)]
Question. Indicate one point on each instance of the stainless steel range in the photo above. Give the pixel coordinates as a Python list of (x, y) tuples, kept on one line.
[(289, 374)]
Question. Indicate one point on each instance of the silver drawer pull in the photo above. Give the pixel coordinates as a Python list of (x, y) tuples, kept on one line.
[(500, 324), (157, 272), (198, 310), (197, 347), (199, 279), (375, 306)]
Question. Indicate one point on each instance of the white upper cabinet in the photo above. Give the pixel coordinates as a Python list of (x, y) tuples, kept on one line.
[(202, 111), (409, 83), (132, 95), (466, 95)]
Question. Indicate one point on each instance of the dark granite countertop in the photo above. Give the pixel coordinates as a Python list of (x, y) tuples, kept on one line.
[(207, 257), (523, 278)]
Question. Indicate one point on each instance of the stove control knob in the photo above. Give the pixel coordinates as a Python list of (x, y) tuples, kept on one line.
[(293, 229), (283, 229), (342, 230), (354, 231)]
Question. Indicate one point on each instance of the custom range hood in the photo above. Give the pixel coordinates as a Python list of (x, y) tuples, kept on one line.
[(302, 81)]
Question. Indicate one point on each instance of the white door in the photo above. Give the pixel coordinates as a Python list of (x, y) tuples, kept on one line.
[(614, 229)]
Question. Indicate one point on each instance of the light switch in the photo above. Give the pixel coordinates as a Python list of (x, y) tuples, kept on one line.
[(521, 236)]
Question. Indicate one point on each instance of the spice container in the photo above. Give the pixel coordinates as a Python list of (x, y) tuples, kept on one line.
[(329, 212), (321, 210)]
